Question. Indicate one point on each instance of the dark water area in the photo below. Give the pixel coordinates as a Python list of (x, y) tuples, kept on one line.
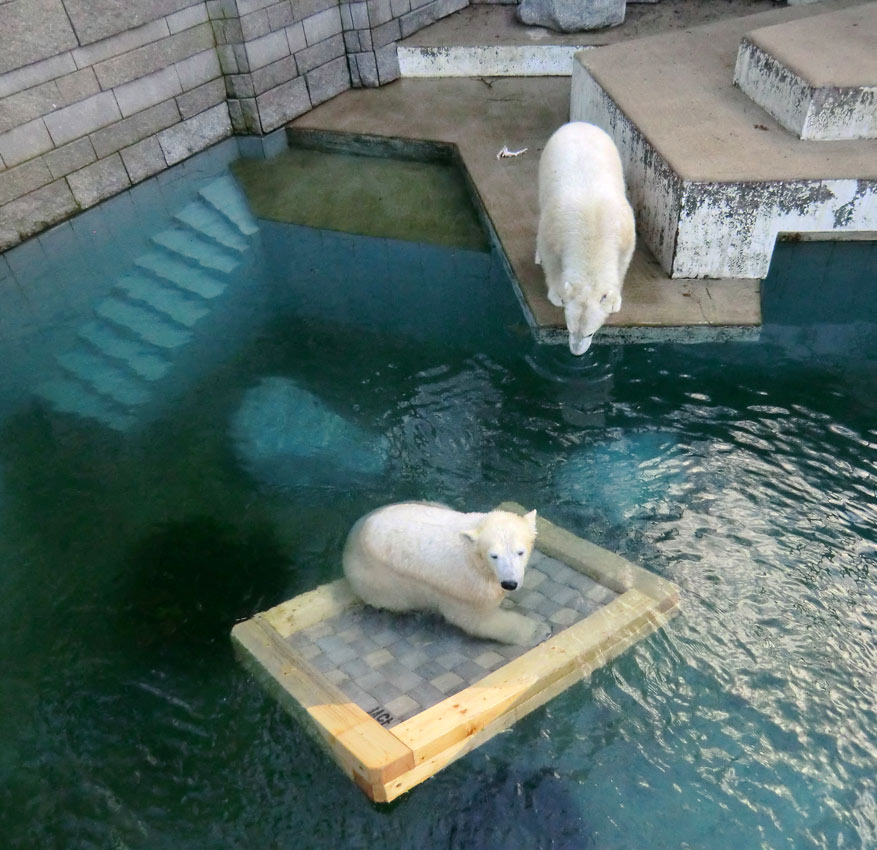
[(328, 374)]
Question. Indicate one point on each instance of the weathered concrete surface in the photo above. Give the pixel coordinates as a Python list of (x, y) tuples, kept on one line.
[(97, 19), (33, 30), (713, 178), (572, 15), (818, 76), (479, 118)]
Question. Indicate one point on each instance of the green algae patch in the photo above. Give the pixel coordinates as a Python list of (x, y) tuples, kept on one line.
[(366, 195)]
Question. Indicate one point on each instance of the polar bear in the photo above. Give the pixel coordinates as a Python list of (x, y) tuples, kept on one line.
[(418, 556), (586, 235)]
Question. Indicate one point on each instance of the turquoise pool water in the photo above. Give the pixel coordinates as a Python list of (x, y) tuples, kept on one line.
[(183, 446)]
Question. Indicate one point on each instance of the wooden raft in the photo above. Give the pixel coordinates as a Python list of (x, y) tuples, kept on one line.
[(398, 697)]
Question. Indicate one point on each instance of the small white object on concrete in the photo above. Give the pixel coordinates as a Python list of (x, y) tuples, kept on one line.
[(505, 153)]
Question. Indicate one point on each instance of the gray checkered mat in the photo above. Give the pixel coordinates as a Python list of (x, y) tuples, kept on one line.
[(394, 666)]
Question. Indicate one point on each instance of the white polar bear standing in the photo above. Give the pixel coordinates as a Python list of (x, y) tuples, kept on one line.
[(416, 556), (586, 229)]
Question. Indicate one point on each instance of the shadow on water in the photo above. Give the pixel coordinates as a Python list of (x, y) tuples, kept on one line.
[(186, 580), (521, 808)]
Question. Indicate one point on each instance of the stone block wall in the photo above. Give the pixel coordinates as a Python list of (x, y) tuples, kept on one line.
[(372, 28), (96, 95), (279, 58)]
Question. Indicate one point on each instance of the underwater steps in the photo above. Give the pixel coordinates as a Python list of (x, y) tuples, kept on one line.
[(152, 310)]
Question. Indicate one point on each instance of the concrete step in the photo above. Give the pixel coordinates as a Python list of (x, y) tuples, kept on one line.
[(106, 379), (69, 396), (202, 218), (224, 195), (144, 362), (143, 323), (712, 178), (167, 300), (191, 247), (182, 275), (817, 76)]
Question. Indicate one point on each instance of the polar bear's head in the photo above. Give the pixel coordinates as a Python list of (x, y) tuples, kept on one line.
[(503, 542), (585, 313)]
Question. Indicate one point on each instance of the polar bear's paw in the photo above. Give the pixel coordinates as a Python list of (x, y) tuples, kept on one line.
[(541, 631), (511, 627), (554, 298)]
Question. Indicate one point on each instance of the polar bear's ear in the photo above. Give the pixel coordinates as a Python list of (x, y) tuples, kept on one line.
[(471, 534), (531, 519)]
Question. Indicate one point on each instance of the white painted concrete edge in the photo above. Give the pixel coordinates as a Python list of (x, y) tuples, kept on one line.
[(488, 61), (840, 114), (775, 88), (814, 114), (730, 229)]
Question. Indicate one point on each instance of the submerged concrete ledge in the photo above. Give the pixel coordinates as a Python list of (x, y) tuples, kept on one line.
[(478, 119)]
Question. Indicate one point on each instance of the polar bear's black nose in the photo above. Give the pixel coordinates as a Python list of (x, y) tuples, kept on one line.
[(508, 585)]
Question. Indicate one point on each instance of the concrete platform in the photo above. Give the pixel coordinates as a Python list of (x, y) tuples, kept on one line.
[(817, 76), (486, 39), (479, 117), (714, 179)]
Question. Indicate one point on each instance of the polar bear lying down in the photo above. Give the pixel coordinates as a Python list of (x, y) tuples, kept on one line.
[(416, 556), (586, 230)]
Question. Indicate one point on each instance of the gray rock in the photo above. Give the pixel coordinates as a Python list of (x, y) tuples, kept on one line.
[(328, 80), (572, 15)]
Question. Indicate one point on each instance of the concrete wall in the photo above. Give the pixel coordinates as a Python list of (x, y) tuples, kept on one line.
[(96, 95), (372, 28), (279, 58)]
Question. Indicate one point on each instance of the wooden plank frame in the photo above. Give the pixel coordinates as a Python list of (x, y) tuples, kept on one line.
[(385, 763)]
